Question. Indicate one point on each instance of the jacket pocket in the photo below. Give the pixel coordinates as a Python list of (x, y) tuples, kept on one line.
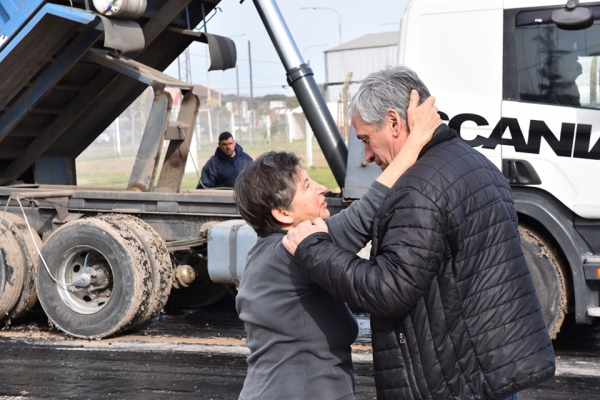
[(412, 379)]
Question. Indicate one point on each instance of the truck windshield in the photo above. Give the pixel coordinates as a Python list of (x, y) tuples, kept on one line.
[(558, 66)]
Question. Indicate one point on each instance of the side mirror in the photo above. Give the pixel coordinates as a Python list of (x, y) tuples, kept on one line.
[(572, 17)]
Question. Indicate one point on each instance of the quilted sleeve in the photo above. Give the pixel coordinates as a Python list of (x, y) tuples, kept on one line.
[(352, 228), (408, 256)]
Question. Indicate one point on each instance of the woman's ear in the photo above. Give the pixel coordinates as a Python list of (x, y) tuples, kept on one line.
[(282, 216)]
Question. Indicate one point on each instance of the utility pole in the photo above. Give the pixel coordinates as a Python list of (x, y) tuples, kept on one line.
[(251, 93), (237, 136), (208, 102), (184, 65), (346, 132), (239, 103)]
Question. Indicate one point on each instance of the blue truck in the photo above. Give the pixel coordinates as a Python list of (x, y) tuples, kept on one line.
[(104, 261)]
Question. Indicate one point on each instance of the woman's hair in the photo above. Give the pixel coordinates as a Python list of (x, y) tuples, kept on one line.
[(383, 90), (267, 183)]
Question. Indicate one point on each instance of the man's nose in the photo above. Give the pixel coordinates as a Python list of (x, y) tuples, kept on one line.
[(369, 155)]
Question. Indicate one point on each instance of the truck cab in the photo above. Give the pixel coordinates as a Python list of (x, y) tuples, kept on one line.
[(520, 83)]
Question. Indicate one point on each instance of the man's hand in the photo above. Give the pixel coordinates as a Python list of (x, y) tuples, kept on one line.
[(301, 232)]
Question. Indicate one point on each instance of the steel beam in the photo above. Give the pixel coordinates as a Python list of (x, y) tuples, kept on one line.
[(148, 156), (173, 168)]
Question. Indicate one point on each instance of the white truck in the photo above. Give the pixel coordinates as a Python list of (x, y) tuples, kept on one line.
[(518, 79), (499, 69)]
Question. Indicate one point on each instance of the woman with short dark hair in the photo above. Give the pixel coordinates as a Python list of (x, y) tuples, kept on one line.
[(298, 334)]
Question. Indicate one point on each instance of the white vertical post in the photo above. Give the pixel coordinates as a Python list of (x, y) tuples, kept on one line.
[(117, 137), (210, 127), (309, 150), (133, 135), (289, 117), (192, 161), (197, 132), (268, 122)]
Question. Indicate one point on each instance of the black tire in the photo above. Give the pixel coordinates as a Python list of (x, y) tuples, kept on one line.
[(548, 278), (27, 245), (202, 292), (122, 284), (141, 255), (12, 269), (159, 258)]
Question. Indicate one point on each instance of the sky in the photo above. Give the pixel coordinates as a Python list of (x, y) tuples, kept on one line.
[(314, 32)]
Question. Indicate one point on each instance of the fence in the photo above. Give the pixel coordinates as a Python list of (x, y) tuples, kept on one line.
[(109, 160)]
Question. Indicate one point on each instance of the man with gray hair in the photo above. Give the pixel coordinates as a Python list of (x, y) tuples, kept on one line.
[(454, 313)]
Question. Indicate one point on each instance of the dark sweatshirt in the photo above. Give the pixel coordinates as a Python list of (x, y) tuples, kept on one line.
[(221, 170), (299, 335)]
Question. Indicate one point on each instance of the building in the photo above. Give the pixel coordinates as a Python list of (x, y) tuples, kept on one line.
[(360, 57)]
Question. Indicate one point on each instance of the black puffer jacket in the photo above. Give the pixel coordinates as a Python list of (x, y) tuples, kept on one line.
[(454, 314)]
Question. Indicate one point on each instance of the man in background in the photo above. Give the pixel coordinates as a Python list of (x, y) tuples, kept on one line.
[(222, 169)]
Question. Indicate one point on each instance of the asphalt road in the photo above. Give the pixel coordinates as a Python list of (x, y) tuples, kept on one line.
[(197, 355)]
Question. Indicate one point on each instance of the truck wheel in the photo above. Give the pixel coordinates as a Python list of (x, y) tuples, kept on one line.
[(202, 292), (548, 278), (100, 279), (160, 261), (29, 260)]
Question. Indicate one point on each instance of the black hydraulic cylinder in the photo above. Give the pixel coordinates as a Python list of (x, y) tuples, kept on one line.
[(302, 81)]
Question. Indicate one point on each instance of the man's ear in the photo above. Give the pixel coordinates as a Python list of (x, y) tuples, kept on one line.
[(395, 121), (282, 216)]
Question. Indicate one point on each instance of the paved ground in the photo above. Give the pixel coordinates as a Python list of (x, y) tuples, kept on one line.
[(195, 355)]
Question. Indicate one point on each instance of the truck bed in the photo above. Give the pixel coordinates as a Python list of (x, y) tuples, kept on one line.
[(54, 100)]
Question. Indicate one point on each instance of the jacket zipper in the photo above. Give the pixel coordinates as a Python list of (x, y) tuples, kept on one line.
[(412, 380)]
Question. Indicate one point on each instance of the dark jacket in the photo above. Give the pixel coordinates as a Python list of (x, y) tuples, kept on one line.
[(454, 314), (222, 171), (298, 334)]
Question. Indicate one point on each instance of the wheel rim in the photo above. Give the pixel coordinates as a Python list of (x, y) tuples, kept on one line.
[(77, 263)]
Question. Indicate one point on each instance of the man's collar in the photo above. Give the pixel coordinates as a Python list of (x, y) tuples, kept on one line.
[(441, 134)]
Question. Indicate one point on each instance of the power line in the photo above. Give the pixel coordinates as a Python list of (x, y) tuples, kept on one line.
[(240, 59)]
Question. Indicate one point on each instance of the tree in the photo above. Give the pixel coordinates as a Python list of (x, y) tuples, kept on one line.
[(552, 81), (291, 102)]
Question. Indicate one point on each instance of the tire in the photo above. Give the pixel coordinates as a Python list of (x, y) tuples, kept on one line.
[(548, 278), (29, 254), (12, 270), (122, 284), (159, 258), (202, 292)]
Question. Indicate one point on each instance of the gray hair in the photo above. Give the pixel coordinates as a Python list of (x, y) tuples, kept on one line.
[(383, 90)]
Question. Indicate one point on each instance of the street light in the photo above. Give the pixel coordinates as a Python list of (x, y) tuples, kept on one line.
[(237, 77), (312, 47), (239, 105), (328, 9)]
